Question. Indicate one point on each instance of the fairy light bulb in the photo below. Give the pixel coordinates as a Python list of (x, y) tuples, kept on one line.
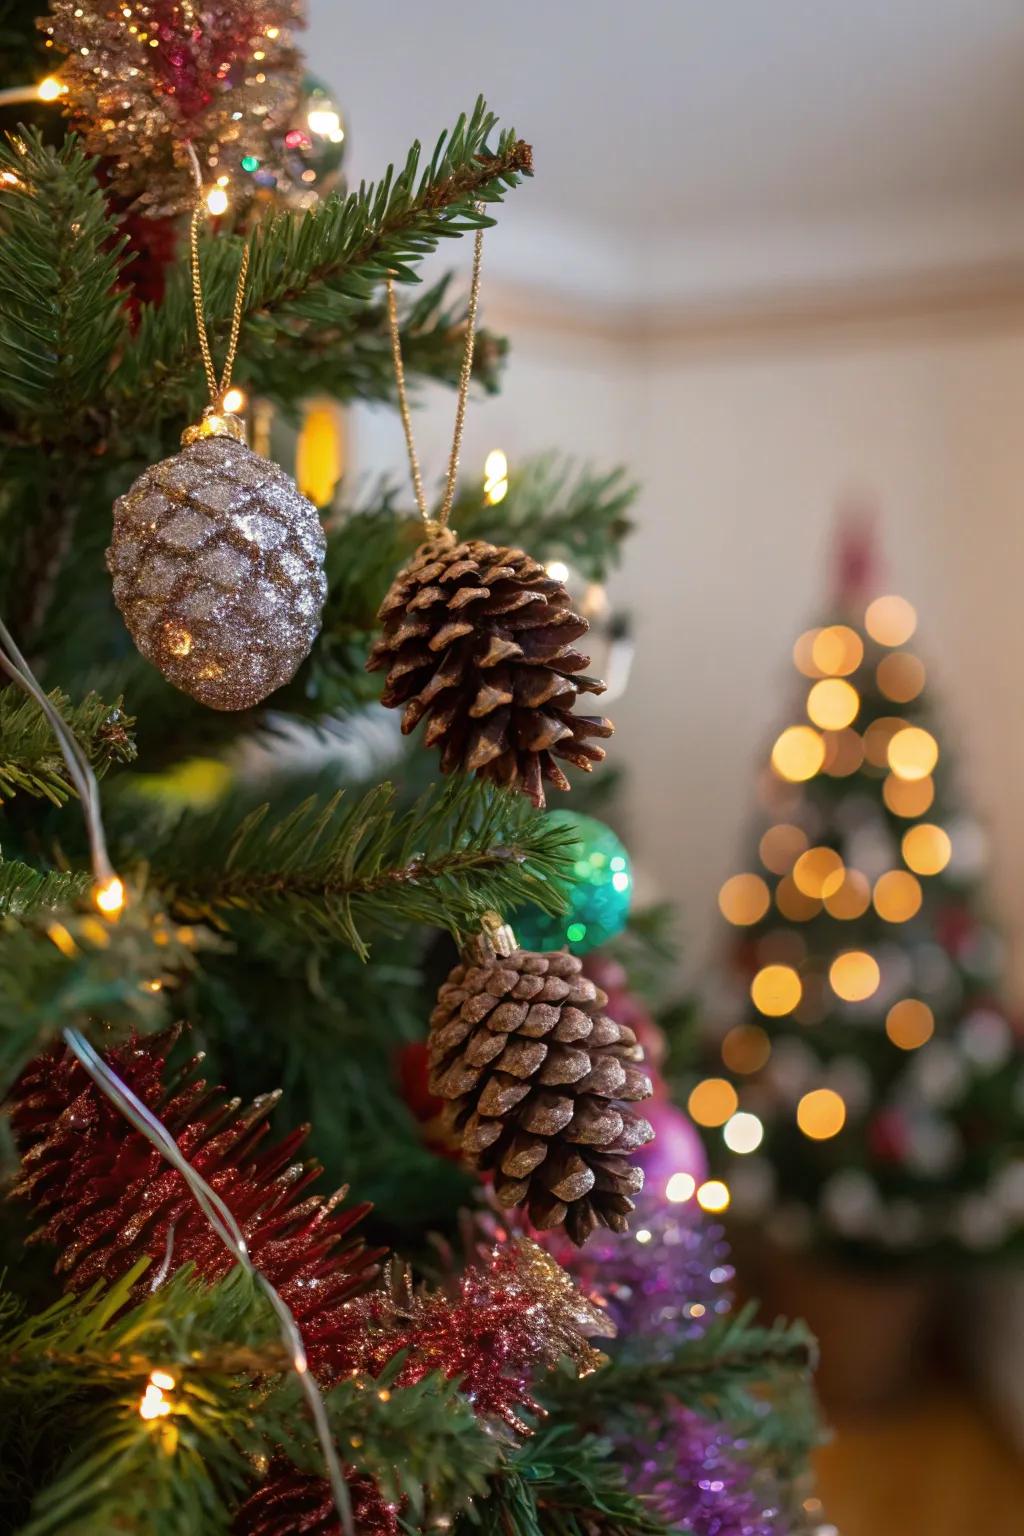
[(108, 896), (680, 1188), (153, 1404), (50, 88), (713, 1196), (217, 201), (821, 1114), (712, 1102), (798, 754), (743, 1133), (495, 477), (234, 401)]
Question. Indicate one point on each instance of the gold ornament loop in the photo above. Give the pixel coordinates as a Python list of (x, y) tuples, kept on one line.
[(217, 391), (436, 524)]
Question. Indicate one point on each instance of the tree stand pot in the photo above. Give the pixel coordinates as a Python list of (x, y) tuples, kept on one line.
[(873, 1330)]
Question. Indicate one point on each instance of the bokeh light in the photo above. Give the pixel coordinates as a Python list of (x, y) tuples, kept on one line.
[(798, 754), (803, 653), (854, 975), (878, 736), (926, 849), (781, 846), (746, 1048), (776, 990), (909, 1024), (852, 898), (908, 797), (793, 904), (890, 620), (743, 1133), (897, 896), (837, 651), (913, 753), (744, 899), (818, 872), (844, 753), (712, 1102), (821, 1114), (900, 676), (713, 1196), (833, 703), (680, 1188)]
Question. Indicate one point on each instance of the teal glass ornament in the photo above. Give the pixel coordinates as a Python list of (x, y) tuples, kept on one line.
[(599, 894)]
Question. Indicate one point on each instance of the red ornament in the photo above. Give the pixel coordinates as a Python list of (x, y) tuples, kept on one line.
[(294, 1503), (412, 1072), (888, 1137), (105, 1196)]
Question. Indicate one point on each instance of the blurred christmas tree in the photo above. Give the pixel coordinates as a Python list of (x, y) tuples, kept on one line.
[(868, 1085)]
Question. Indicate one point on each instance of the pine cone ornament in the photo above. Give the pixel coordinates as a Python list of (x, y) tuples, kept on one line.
[(217, 560), (478, 642), (538, 1081)]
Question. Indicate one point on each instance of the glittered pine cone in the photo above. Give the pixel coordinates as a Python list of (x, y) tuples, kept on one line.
[(478, 643), (538, 1082)]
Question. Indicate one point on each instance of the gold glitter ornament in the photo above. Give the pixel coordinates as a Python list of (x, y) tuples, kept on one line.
[(145, 80), (217, 560), (217, 557)]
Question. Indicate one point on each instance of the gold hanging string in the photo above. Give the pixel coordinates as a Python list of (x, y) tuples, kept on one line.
[(216, 391), (465, 374)]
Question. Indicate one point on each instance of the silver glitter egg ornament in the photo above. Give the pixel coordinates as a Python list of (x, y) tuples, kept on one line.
[(217, 564)]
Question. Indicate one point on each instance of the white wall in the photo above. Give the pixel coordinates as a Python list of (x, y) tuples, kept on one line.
[(744, 444)]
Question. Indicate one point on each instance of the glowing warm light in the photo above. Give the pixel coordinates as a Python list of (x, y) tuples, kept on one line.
[(319, 454), (900, 676), (844, 753), (744, 899), (803, 653), (818, 872), (838, 650), (781, 846), (59, 935), (854, 975), (906, 797), (909, 1024), (743, 1133), (852, 898), (217, 201), (913, 753), (713, 1196), (108, 896), (712, 1102), (776, 990), (680, 1188), (798, 754), (792, 903), (153, 1404), (821, 1114), (234, 401), (746, 1048), (327, 123), (50, 88), (877, 738), (496, 486), (926, 849), (833, 703), (644, 1235), (897, 896), (890, 620)]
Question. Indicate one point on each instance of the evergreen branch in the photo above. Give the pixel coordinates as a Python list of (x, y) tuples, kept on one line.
[(313, 272), (72, 968), (24, 890), (713, 1373), (30, 759), (329, 867), (561, 1483), (61, 317)]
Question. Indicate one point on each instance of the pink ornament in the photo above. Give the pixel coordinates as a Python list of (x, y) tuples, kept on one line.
[(676, 1148)]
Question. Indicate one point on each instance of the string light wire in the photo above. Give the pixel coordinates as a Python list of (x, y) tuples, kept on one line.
[(142, 1119)]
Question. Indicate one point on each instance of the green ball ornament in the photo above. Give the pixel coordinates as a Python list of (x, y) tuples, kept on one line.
[(599, 894)]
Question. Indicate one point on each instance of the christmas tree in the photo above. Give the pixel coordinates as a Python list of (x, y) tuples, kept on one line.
[(867, 1082), (234, 901)]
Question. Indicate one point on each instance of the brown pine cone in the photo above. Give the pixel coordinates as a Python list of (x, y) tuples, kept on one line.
[(537, 1081), (478, 641)]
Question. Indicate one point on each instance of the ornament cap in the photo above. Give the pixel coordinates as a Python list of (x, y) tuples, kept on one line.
[(214, 423), (496, 940)]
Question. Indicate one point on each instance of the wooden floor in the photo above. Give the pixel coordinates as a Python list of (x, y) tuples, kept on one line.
[(931, 1468)]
